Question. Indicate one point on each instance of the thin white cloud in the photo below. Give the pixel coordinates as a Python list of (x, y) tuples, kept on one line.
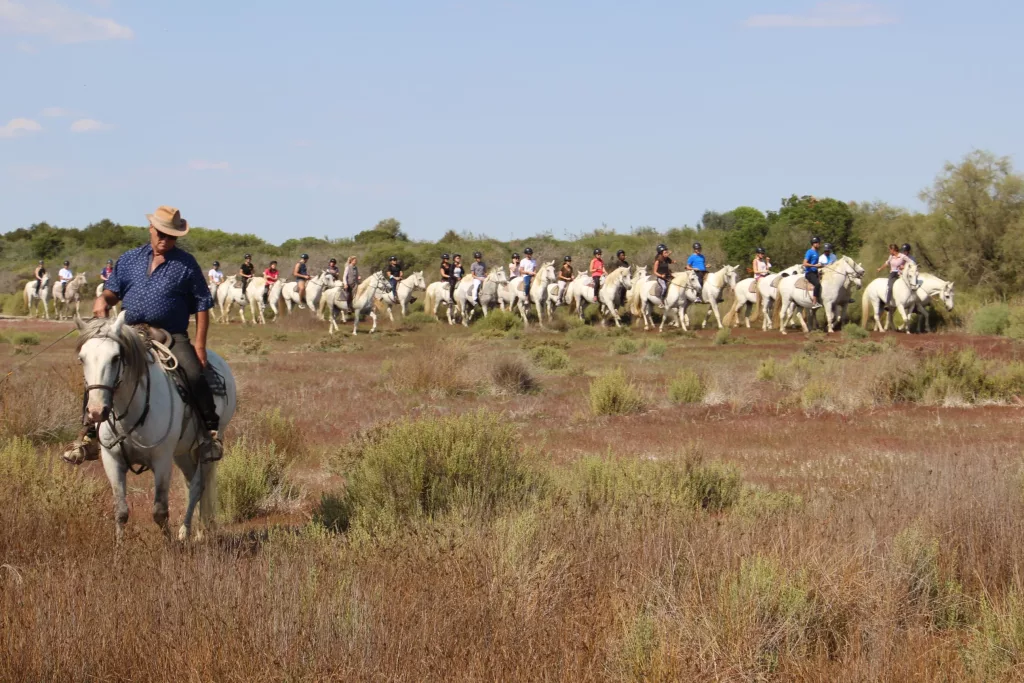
[(826, 15), (204, 165), (59, 23), (17, 127), (89, 126), (55, 112)]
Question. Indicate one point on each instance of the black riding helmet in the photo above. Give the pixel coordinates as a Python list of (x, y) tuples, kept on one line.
[(216, 264), (477, 254), (40, 261), (392, 258), (815, 240), (827, 246), (305, 256), (457, 256), (759, 250), (110, 261), (333, 260), (597, 252), (905, 248), (567, 259), (515, 255), (67, 263), (660, 248), (445, 257), (528, 251), (273, 263), (620, 252), (248, 256), (696, 246)]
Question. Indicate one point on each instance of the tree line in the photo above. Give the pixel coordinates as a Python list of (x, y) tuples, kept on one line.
[(972, 233)]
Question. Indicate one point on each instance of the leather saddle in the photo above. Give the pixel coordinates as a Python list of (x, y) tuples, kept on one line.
[(216, 381), (803, 284)]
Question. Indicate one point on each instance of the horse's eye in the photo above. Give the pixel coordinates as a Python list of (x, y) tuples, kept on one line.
[(116, 358)]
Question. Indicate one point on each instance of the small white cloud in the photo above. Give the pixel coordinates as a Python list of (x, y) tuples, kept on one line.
[(57, 22), (18, 127), (826, 15), (203, 165), (55, 112), (89, 126)]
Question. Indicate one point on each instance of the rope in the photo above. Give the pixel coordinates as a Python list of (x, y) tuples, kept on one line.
[(37, 354)]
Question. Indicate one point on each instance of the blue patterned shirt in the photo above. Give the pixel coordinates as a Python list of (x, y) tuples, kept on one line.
[(168, 297)]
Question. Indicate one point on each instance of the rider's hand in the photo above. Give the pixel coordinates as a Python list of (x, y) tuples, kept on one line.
[(201, 352), (99, 307)]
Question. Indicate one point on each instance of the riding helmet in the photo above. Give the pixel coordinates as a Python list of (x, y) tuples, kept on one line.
[(333, 260), (457, 256), (905, 248), (273, 263), (40, 261), (696, 245), (392, 258), (528, 251), (216, 264), (567, 259), (661, 248), (759, 250), (827, 246), (445, 257), (815, 240), (109, 260), (597, 252), (248, 256), (477, 254), (620, 252), (67, 263), (515, 254), (305, 256)]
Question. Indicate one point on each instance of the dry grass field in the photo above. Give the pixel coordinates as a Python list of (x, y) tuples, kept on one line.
[(435, 503)]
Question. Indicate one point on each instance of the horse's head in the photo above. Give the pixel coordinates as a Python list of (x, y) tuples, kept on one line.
[(640, 273), (910, 276), (326, 278), (730, 276), (947, 295), (416, 280), (547, 271), (100, 351)]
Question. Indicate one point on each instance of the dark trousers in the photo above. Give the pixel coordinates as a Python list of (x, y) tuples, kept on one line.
[(266, 293), (63, 289), (815, 280), (394, 287), (451, 288), (597, 285), (701, 274), (202, 395), (39, 283), (245, 284), (893, 277)]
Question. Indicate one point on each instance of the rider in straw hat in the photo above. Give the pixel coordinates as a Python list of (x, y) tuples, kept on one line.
[(161, 285)]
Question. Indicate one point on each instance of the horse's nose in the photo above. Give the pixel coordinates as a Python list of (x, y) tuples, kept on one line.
[(98, 414)]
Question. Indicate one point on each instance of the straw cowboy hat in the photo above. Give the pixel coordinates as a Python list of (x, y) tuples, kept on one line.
[(168, 220)]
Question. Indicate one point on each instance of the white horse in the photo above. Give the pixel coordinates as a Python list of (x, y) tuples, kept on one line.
[(488, 293), (837, 279), (615, 283), (314, 288), (538, 292), (931, 287), (363, 301), (43, 295), (750, 292), (143, 420), (680, 295), (62, 300), (906, 295), (406, 287), (438, 293), (99, 292), (569, 296), (256, 304), (713, 292), (229, 294)]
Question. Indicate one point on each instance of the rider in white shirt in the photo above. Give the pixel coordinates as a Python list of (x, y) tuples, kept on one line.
[(65, 276), (215, 275)]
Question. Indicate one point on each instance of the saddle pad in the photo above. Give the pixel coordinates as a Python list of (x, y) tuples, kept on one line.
[(522, 286), (803, 284), (753, 287), (774, 284), (217, 384)]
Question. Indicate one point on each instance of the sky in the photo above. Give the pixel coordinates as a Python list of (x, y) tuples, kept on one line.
[(503, 118)]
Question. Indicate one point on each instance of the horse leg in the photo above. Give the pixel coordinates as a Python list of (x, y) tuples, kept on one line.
[(161, 491), (830, 315), (373, 317), (116, 472), (905, 315), (196, 486), (540, 313)]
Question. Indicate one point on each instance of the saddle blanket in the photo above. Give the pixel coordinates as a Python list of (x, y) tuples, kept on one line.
[(803, 284)]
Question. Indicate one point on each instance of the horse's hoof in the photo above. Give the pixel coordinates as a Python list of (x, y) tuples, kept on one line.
[(183, 534)]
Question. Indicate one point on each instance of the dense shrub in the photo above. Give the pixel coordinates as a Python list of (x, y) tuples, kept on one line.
[(723, 336), (613, 394), (991, 319), (624, 346), (499, 320), (687, 387), (550, 358), (656, 348), (251, 479), (512, 376), (853, 331)]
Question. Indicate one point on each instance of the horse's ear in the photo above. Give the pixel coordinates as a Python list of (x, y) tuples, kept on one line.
[(118, 323), (79, 323)]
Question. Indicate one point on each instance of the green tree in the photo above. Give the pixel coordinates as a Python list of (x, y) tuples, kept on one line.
[(749, 229), (800, 218), (387, 230), (977, 208), (46, 243)]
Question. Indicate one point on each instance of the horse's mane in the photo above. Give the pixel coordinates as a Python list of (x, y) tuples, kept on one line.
[(365, 284), (134, 356), (616, 275), (681, 278)]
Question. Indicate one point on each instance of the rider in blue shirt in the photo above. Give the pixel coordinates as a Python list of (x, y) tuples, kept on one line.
[(697, 264), (811, 271)]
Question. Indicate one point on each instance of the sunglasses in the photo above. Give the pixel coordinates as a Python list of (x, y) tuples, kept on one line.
[(165, 236)]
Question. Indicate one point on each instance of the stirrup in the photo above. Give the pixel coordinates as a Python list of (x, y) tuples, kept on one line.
[(211, 449), (82, 450)]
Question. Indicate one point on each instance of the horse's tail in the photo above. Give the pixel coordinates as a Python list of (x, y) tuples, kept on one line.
[(634, 298), (25, 294), (730, 317), (777, 312), (757, 303), (428, 303), (865, 310)]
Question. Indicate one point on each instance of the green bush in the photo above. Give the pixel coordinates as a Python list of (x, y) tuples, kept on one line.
[(723, 336), (550, 358), (29, 478), (992, 319), (420, 318), (853, 332), (419, 469), (581, 333), (958, 375), (767, 370), (687, 387), (1015, 324), (995, 650), (14, 304), (503, 321), (25, 338), (656, 348), (250, 479), (624, 346), (613, 394)]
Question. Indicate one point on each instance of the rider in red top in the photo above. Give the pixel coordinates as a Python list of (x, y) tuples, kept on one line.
[(597, 271), (270, 276)]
